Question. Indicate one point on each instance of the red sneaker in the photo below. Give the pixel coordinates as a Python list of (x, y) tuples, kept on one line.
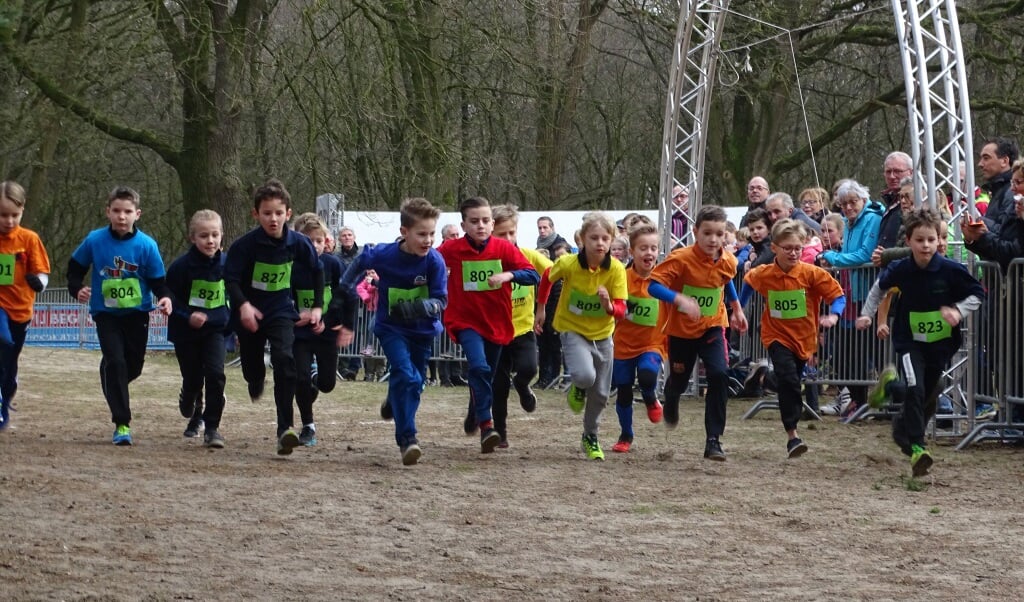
[(622, 447), (654, 412)]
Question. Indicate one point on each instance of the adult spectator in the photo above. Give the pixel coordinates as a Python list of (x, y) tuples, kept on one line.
[(546, 235), (813, 203), (994, 161), (757, 193), (780, 206), (1008, 243), (450, 231), (898, 165), (680, 212), (346, 249)]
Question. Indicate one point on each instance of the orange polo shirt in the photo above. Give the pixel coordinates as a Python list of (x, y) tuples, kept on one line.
[(792, 301), (642, 330), (696, 274), (21, 253)]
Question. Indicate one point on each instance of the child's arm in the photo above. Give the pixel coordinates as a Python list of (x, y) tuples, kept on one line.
[(682, 302), (870, 306), (76, 277), (883, 315), (543, 292)]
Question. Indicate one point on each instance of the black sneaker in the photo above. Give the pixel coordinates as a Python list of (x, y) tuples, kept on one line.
[(211, 438), (670, 413), (307, 436), (795, 447), (489, 439), (411, 454), (713, 450), (386, 412), (256, 391), (528, 401), (192, 430)]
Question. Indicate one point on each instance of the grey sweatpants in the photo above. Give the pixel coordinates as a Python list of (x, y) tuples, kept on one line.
[(590, 366)]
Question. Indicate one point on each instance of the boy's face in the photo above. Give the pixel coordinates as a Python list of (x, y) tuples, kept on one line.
[(272, 215), (206, 236), (645, 253), (10, 216), (924, 241), (943, 243), (419, 238), (787, 252), (619, 251), (758, 231), (710, 237), (319, 240), (477, 224), (507, 230), (561, 250), (122, 214)]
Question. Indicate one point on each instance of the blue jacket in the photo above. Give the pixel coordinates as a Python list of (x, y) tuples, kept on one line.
[(859, 240), (196, 273)]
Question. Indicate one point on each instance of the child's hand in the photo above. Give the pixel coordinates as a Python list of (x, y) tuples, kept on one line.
[(498, 279), (345, 336), (304, 318), (951, 315), (84, 293), (314, 318), (320, 327), (197, 319), (876, 257), (883, 331), (738, 321), (605, 298), (688, 306), (538, 320), (164, 305), (250, 317), (863, 322), (828, 321)]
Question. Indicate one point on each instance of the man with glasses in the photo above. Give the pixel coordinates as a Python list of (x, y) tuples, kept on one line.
[(757, 192), (898, 165)]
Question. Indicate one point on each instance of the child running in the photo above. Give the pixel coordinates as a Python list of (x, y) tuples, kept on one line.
[(24, 271), (935, 295), (694, 279), (520, 355), (593, 297), (126, 272), (639, 338), (479, 314), (317, 345), (793, 292), (197, 326), (413, 289), (258, 279)]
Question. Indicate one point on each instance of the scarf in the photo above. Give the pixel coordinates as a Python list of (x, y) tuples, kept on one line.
[(544, 242)]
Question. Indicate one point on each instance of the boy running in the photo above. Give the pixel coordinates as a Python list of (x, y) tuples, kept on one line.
[(695, 279), (258, 278), (24, 271), (793, 292), (126, 272), (935, 295), (412, 285), (479, 314)]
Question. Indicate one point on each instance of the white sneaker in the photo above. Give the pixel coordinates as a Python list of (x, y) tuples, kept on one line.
[(839, 406)]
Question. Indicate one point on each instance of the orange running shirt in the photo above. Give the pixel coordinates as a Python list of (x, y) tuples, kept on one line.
[(643, 328), (21, 253), (696, 274)]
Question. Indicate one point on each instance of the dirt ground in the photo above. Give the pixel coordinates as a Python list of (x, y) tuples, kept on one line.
[(168, 519)]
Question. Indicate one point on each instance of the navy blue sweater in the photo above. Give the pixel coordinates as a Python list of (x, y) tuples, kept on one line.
[(259, 270), (197, 284)]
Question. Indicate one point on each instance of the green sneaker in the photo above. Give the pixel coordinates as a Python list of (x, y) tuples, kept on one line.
[(577, 399), (287, 442), (591, 447), (920, 460), (878, 396), (122, 435)]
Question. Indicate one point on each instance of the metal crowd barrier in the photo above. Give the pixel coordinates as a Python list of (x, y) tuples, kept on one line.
[(60, 321)]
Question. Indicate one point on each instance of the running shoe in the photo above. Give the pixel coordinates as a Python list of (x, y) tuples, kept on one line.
[(528, 401), (591, 447), (308, 436), (411, 454), (713, 450), (577, 398), (795, 447), (655, 412), (489, 439), (193, 427), (878, 396), (286, 442), (670, 412), (212, 438), (122, 435), (920, 460), (622, 446)]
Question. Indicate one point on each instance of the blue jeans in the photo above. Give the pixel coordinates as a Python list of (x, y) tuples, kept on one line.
[(482, 356), (408, 357)]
